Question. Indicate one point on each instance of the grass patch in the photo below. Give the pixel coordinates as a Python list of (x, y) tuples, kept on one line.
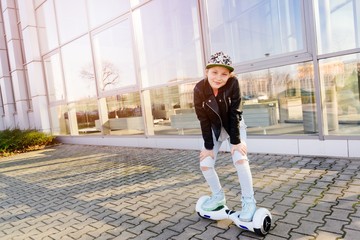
[(17, 141)]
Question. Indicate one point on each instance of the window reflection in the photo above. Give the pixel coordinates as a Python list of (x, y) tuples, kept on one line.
[(340, 79), (168, 38), (279, 100), (47, 27), (337, 25), (54, 78), (173, 111), (66, 12), (114, 62), (101, 11), (255, 28), (78, 70), (121, 115), (86, 116), (60, 124)]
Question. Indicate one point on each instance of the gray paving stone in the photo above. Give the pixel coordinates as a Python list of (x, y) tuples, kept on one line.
[(321, 235), (282, 229), (307, 228), (333, 226), (340, 214), (210, 233), (166, 234), (351, 234), (354, 223), (316, 216)]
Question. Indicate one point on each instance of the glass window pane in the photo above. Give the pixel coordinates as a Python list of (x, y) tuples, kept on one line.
[(124, 116), (47, 27), (279, 100), (255, 29), (78, 70), (134, 3), (337, 24), (71, 16), (87, 115), (114, 62), (101, 11), (340, 79), (59, 120), (38, 2), (173, 111), (54, 78), (168, 38)]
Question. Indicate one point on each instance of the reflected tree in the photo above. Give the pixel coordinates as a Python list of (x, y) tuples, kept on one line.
[(109, 75)]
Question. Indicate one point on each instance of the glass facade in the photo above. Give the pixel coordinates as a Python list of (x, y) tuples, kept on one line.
[(149, 55), (78, 69), (55, 83), (168, 40), (129, 67), (114, 62), (48, 36), (251, 30), (279, 100), (101, 11), (66, 12), (340, 81), (337, 25)]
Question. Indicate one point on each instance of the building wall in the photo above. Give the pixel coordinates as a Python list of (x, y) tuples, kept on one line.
[(122, 72)]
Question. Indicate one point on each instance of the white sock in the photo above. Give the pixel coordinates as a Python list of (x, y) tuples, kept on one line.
[(245, 179), (212, 180)]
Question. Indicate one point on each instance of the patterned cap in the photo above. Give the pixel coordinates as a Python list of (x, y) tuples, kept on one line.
[(220, 59)]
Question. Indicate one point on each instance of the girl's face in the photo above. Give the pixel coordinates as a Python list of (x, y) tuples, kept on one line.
[(217, 76)]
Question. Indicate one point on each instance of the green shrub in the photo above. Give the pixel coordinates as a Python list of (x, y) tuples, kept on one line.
[(16, 140)]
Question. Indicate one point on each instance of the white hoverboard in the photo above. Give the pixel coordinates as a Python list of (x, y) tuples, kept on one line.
[(260, 224)]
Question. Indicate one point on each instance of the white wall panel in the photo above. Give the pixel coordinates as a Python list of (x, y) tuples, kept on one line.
[(316, 147), (354, 148), (276, 146), (18, 80), (31, 46), (15, 55), (36, 79)]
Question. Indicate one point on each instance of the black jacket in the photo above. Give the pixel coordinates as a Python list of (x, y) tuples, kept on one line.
[(222, 110)]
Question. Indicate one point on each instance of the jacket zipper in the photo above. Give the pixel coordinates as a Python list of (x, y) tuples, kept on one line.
[(226, 105), (215, 113)]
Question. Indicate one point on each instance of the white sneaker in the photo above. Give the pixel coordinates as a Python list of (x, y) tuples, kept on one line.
[(215, 201), (248, 209)]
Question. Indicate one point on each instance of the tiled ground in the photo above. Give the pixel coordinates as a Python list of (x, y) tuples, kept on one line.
[(92, 192)]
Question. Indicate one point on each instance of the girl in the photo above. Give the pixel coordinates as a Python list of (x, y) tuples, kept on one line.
[(217, 100)]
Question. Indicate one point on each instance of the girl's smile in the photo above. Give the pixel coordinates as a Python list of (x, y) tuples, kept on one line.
[(217, 77)]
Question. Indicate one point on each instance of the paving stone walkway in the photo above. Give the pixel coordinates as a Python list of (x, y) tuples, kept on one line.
[(95, 192)]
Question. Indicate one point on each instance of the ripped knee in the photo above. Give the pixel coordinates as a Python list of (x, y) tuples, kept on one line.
[(204, 168), (207, 164), (240, 162)]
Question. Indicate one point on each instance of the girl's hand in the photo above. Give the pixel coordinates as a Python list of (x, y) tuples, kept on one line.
[(206, 153), (241, 148)]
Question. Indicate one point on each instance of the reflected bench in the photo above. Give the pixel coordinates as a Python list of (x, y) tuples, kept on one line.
[(184, 121), (123, 123)]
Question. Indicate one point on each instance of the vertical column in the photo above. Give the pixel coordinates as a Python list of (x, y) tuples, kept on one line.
[(7, 120), (104, 118), (147, 113), (72, 120), (33, 65), (16, 64)]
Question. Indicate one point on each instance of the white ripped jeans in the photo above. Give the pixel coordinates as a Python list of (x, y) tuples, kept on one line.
[(207, 166)]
